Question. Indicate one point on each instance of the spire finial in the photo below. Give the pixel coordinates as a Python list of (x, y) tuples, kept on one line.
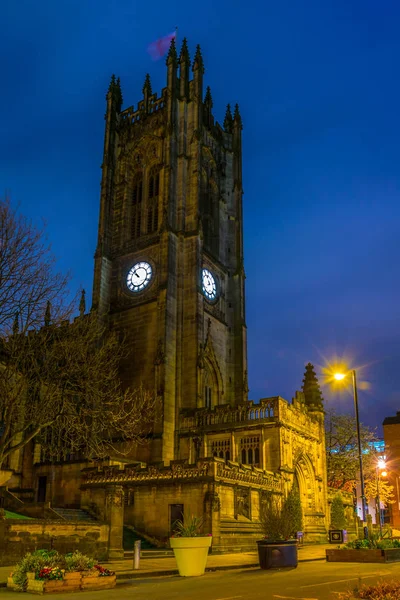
[(16, 323), (147, 86), (311, 390), (115, 90), (184, 54), (172, 57), (47, 314), (82, 304), (236, 116), (198, 63), (228, 120), (208, 97)]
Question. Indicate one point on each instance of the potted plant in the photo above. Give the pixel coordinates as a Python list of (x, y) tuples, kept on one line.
[(337, 531), (190, 546), (280, 524)]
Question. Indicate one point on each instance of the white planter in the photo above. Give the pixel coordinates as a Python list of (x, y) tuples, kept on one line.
[(191, 554)]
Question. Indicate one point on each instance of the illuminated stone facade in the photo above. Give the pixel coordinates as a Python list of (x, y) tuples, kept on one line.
[(169, 277)]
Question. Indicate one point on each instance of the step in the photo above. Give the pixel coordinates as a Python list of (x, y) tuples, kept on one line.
[(74, 514)]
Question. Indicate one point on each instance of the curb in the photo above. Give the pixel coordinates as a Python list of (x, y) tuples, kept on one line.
[(165, 573)]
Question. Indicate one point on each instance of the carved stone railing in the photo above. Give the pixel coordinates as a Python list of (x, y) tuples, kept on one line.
[(247, 412), (137, 475), (252, 476), (274, 409), (211, 469)]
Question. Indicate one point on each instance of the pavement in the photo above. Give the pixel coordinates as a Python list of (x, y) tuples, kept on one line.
[(164, 566), (312, 580)]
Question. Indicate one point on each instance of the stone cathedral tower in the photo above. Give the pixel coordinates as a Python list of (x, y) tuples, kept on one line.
[(169, 273)]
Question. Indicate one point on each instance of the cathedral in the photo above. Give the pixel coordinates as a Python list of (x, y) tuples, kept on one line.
[(169, 279)]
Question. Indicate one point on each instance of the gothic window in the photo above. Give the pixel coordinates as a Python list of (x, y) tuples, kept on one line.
[(136, 207), (250, 450), (210, 389), (207, 397), (152, 200), (221, 449), (210, 213)]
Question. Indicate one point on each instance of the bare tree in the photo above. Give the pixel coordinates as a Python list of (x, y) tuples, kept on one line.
[(28, 280), (342, 459), (59, 383)]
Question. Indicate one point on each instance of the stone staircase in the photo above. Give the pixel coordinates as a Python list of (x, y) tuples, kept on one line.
[(148, 550), (74, 514)]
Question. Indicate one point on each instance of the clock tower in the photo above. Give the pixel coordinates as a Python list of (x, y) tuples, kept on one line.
[(169, 275)]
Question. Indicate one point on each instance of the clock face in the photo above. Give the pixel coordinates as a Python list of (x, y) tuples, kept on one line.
[(139, 276), (209, 285)]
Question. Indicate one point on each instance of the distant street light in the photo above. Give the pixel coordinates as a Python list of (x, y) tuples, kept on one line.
[(380, 472), (340, 377)]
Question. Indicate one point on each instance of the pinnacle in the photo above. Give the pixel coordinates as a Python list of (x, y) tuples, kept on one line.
[(147, 86), (311, 389), (47, 315), (184, 54), (208, 97), (172, 56), (198, 60), (228, 120), (115, 89), (82, 303)]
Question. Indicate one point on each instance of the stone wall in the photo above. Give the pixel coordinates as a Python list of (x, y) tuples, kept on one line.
[(18, 537)]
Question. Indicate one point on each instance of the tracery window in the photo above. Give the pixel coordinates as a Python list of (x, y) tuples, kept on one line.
[(250, 450), (136, 207), (210, 214), (152, 200), (210, 390), (221, 449)]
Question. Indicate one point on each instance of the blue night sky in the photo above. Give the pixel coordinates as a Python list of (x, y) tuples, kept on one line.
[(319, 93)]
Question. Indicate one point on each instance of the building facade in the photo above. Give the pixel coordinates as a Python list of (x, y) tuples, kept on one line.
[(169, 278), (391, 434)]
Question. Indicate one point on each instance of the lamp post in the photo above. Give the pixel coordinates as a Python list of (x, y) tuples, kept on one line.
[(340, 377), (380, 471)]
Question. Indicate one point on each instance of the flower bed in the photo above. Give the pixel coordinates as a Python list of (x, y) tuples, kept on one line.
[(372, 550), (49, 572), (363, 555)]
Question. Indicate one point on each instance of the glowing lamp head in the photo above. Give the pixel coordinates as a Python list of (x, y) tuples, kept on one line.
[(339, 376), (381, 464), (384, 473)]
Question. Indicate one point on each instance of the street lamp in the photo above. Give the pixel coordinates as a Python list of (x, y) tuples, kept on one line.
[(380, 472), (340, 377)]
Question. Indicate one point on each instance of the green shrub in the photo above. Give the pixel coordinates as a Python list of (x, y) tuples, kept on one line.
[(34, 563), (338, 518), (374, 543), (281, 523), (76, 561)]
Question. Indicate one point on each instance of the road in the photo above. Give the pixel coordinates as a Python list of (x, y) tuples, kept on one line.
[(310, 581)]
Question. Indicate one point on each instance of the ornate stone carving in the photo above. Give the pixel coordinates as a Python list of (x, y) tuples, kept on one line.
[(214, 500), (115, 496), (242, 502), (265, 480)]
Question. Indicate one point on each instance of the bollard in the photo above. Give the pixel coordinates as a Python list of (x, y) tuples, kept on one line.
[(136, 554)]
